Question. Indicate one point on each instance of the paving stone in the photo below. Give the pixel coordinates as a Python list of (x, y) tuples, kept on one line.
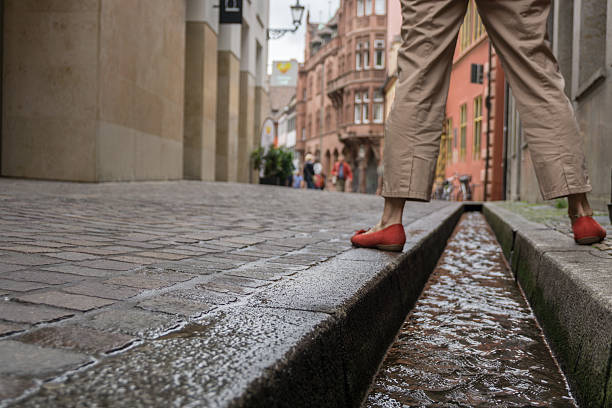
[(131, 322), (28, 260), (79, 270), (258, 274), (9, 267), (103, 290), (13, 387), (73, 256), (66, 300), (175, 306), (161, 255), (243, 240), (200, 294), (107, 265), (139, 282), (20, 286), (134, 259), (28, 249), (7, 328), (77, 338), (30, 360), (51, 278)]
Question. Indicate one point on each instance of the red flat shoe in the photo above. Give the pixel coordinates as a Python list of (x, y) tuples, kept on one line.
[(587, 231), (391, 238)]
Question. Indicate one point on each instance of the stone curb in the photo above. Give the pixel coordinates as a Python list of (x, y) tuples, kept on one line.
[(316, 339), (569, 288)]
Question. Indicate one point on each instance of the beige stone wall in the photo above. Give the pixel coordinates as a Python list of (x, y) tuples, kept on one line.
[(228, 107), (93, 89), (246, 134), (141, 73), (200, 102), (50, 84)]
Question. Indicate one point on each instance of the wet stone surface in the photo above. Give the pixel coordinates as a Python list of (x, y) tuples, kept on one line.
[(90, 268), (471, 339)]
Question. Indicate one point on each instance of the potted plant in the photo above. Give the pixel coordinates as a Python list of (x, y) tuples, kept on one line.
[(276, 163)]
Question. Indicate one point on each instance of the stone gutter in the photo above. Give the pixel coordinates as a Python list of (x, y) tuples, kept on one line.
[(569, 288)]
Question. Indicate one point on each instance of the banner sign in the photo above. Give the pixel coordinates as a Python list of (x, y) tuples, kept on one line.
[(230, 12), (268, 133)]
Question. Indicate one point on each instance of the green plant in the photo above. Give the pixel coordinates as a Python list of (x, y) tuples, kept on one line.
[(276, 162), (561, 203)]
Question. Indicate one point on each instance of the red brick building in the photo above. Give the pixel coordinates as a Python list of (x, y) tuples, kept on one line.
[(340, 104), (470, 120)]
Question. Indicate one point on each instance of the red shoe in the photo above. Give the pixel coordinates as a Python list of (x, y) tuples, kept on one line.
[(391, 238), (587, 231)]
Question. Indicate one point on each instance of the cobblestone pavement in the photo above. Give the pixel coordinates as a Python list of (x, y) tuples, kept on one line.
[(557, 219), (90, 270)]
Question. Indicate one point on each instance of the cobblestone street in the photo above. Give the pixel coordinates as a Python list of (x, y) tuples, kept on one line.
[(88, 271)]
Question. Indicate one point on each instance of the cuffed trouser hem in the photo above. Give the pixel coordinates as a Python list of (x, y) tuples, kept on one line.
[(551, 195), (408, 195)]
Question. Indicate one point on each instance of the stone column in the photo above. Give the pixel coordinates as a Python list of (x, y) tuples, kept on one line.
[(245, 127), (228, 102), (200, 90)]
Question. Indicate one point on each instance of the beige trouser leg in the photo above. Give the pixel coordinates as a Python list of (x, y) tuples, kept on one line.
[(517, 29)]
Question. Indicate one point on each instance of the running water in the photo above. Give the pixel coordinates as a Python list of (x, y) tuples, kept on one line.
[(471, 339)]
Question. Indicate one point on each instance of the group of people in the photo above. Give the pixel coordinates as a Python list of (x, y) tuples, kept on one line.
[(313, 177)]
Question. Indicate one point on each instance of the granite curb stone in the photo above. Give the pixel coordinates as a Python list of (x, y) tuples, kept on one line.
[(570, 291)]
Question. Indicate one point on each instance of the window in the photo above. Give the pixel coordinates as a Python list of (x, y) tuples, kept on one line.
[(303, 133), (304, 93), (378, 107), (472, 28), (366, 55), (463, 126), (379, 54), (368, 7), (357, 107), (366, 107), (360, 8), (379, 7), (318, 127), (449, 140), (358, 58), (291, 124), (477, 127)]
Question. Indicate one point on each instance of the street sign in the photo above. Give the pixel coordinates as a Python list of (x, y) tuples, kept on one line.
[(230, 12)]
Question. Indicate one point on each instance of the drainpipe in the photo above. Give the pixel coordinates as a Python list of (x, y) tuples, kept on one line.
[(322, 112), (488, 104), (505, 154)]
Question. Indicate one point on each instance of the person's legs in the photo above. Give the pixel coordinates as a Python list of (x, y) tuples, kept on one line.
[(413, 128), (517, 29)]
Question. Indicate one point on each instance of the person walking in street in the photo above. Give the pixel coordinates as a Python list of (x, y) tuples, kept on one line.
[(517, 29), (309, 171), (341, 174)]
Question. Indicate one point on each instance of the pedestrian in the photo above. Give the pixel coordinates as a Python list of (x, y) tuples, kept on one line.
[(341, 173), (297, 179), (309, 171), (517, 30)]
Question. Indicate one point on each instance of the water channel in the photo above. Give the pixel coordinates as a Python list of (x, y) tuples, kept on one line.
[(471, 339)]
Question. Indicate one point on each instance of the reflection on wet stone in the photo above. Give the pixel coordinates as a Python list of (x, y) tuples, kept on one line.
[(471, 339)]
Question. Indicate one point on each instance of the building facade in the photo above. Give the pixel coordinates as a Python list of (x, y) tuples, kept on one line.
[(340, 102), (474, 113), (581, 36), (108, 90)]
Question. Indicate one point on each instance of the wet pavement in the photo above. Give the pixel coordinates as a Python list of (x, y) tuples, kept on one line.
[(471, 339), (95, 278)]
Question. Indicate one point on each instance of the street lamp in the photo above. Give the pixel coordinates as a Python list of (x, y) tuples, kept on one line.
[(297, 11)]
